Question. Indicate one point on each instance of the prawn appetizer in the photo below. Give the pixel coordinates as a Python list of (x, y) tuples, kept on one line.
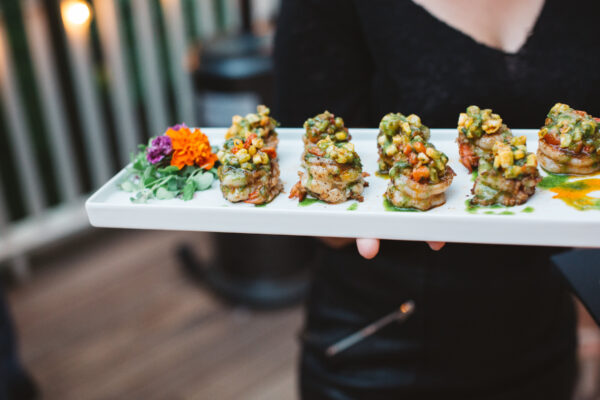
[(249, 170), (325, 125), (332, 169), (395, 132), (569, 142), (260, 124), (510, 179), (478, 131), (420, 179)]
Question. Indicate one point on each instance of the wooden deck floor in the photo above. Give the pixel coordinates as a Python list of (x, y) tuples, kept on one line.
[(115, 319), (118, 320)]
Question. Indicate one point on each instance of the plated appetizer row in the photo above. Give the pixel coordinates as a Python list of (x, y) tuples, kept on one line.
[(180, 162)]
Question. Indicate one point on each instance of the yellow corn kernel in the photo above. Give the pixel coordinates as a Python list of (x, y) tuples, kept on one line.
[(237, 142), (242, 156), (491, 125), (246, 165), (252, 118), (532, 160), (462, 118), (262, 109), (559, 107), (496, 162), (405, 126), (543, 132), (423, 158), (433, 153), (381, 140), (414, 119), (341, 135), (391, 150), (519, 154), (506, 159), (257, 159), (519, 141), (264, 158), (236, 119), (258, 143), (349, 147), (565, 140), (398, 140), (252, 150)]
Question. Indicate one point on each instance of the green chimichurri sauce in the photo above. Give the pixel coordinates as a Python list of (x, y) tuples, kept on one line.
[(390, 207), (474, 209), (527, 210), (307, 201), (352, 207)]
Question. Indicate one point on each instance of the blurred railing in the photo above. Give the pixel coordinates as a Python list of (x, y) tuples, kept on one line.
[(81, 83)]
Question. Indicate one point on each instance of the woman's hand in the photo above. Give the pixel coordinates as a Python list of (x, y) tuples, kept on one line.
[(368, 248)]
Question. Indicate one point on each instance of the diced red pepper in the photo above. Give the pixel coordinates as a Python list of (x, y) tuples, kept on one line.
[(420, 173), (419, 147)]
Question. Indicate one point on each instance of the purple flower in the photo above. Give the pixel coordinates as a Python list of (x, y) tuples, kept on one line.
[(178, 126), (160, 147)]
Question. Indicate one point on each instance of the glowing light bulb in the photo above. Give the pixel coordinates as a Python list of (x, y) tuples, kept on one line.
[(76, 13)]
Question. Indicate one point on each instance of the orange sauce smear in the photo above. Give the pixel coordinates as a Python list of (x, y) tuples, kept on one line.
[(575, 194)]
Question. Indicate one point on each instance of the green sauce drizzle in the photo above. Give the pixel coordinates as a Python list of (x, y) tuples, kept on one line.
[(390, 207), (352, 207), (308, 201)]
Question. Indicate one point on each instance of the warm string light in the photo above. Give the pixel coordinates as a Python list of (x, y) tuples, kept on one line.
[(76, 13)]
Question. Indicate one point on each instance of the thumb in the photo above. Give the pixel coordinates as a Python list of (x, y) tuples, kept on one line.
[(368, 248)]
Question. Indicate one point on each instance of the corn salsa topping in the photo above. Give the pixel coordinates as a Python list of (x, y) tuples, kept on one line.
[(340, 152), (326, 125), (260, 124), (512, 159), (248, 154), (421, 161), (397, 124), (477, 122), (571, 130)]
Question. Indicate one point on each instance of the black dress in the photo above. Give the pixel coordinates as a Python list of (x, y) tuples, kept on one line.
[(491, 322)]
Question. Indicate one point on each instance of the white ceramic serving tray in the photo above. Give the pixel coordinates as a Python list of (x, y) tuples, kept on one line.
[(551, 223)]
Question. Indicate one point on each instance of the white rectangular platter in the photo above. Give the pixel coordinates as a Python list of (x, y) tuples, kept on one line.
[(549, 222)]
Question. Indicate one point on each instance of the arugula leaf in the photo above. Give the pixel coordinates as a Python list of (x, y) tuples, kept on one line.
[(128, 186), (204, 181), (164, 194), (188, 190), (168, 170)]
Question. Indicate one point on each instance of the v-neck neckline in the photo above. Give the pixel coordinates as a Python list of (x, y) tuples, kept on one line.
[(502, 52)]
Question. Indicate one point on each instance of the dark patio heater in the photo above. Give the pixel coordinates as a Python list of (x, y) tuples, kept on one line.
[(258, 271)]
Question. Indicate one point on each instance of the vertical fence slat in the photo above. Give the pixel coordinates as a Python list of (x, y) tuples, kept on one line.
[(38, 35), (154, 93), (184, 97), (109, 19), (18, 129), (232, 15), (205, 16), (94, 128)]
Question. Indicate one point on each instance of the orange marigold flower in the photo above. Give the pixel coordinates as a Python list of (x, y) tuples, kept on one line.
[(191, 148)]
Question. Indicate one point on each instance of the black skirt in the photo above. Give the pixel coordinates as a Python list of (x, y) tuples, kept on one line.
[(490, 322)]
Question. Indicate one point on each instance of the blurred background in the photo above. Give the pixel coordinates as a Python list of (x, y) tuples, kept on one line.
[(129, 314)]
